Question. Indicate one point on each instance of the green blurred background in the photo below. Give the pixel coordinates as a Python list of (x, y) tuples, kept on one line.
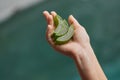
[(26, 55)]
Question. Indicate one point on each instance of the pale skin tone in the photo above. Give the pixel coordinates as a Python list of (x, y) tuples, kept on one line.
[(78, 48)]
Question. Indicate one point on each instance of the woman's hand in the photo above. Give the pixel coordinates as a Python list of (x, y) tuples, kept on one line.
[(80, 38)]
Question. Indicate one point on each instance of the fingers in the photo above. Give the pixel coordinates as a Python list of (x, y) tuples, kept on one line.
[(53, 13), (48, 17), (49, 33), (74, 22), (50, 27)]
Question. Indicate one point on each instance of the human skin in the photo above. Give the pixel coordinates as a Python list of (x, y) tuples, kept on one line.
[(78, 48)]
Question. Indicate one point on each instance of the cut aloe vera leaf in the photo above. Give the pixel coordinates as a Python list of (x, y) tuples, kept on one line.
[(65, 38), (57, 22), (62, 26), (57, 19), (61, 29), (58, 28)]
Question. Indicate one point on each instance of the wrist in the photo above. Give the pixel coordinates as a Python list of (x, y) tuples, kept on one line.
[(81, 51), (85, 65)]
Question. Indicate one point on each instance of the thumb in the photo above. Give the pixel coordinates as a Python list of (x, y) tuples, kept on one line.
[(74, 22)]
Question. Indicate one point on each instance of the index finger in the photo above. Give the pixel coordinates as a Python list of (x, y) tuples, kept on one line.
[(48, 17)]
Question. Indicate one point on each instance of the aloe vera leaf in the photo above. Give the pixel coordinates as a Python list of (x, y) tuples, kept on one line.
[(57, 19), (58, 28), (62, 26), (61, 29), (65, 38)]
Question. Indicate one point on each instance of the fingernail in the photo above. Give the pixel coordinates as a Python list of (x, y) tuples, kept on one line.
[(52, 12), (44, 12), (71, 15)]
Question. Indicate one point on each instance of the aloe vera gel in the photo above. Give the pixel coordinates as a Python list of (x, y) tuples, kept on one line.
[(63, 32)]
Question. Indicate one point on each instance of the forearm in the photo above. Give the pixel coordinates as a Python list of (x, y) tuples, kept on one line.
[(86, 70), (88, 65)]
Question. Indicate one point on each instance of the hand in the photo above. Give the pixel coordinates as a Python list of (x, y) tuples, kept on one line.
[(80, 38)]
